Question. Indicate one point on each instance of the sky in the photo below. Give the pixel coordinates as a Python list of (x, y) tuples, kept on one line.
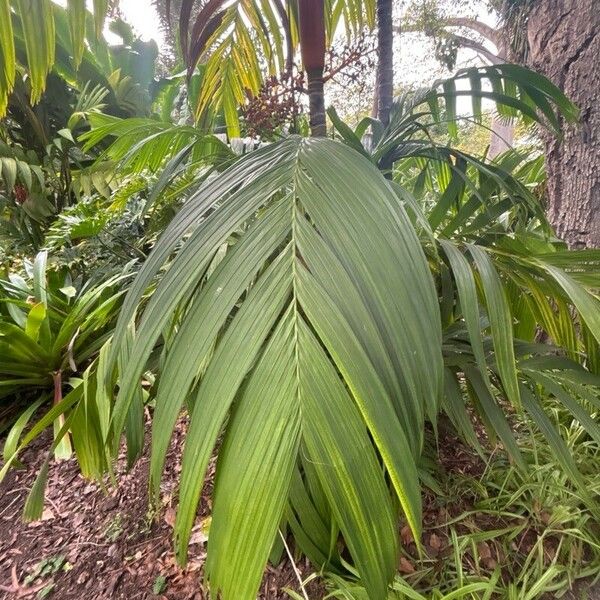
[(144, 18)]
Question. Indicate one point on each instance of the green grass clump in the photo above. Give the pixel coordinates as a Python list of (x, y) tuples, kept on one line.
[(493, 531)]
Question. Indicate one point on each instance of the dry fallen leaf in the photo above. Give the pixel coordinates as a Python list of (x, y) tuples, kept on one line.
[(484, 550), (47, 515), (406, 566), (435, 542), (170, 515), (406, 535), (194, 565), (198, 536)]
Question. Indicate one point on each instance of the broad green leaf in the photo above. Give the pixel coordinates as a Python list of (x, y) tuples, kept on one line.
[(34, 505), (493, 415), (347, 467), (9, 172), (7, 55), (252, 334), (35, 318), (255, 467)]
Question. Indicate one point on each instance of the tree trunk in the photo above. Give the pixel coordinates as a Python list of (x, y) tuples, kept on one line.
[(312, 47), (502, 136), (375, 105), (503, 130), (564, 45), (316, 103), (385, 64)]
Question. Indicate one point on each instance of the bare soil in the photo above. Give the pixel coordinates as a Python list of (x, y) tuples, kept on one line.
[(104, 544)]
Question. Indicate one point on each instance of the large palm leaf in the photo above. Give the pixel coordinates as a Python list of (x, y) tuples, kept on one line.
[(318, 334)]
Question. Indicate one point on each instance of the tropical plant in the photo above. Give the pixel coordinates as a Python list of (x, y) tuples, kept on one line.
[(37, 36), (309, 312), (287, 324), (44, 168), (81, 420), (303, 311), (238, 44), (51, 327), (494, 530), (23, 202)]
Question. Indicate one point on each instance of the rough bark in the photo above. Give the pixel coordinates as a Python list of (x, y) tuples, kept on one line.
[(564, 45), (375, 105), (385, 63)]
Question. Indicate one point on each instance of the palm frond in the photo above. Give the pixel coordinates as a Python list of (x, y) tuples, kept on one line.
[(314, 332), (32, 22), (239, 43)]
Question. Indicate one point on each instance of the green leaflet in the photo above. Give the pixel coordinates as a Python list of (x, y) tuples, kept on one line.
[(211, 233), (500, 322), (469, 304), (203, 321), (492, 415), (454, 405), (100, 12), (232, 359), (255, 468), (370, 397), (38, 31), (7, 55), (347, 467), (76, 13)]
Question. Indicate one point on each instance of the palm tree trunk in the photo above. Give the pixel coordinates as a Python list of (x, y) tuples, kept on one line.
[(312, 46), (502, 136), (503, 130), (316, 101), (385, 64)]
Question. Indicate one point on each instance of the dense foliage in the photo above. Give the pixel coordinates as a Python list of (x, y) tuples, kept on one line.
[(321, 308)]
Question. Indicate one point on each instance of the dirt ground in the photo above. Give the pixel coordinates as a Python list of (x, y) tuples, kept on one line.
[(104, 545)]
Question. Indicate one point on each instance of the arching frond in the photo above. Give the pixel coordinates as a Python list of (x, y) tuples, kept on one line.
[(299, 324), (32, 22)]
